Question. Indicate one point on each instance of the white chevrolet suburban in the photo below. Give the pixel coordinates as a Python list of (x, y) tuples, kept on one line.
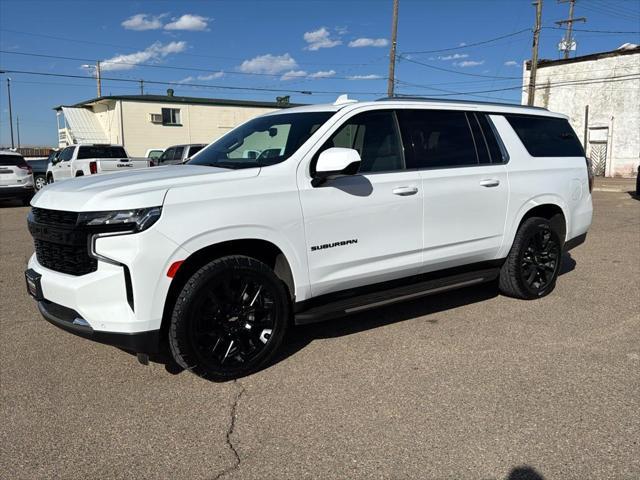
[(359, 205), (90, 159)]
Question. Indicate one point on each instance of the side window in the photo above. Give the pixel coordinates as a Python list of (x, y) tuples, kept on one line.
[(194, 150), (546, 136), (167, 155), (437, 139), (374, 135), (482, 149), (496, 149), (177, 154), (66, 154)]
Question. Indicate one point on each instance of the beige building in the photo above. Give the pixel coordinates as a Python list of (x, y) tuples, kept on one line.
[(143, 122), (600, 93)]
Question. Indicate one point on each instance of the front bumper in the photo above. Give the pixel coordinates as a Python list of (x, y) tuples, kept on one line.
[(71, 321), (17, 192)]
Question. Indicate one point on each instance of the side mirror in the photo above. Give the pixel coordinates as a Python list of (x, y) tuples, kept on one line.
[(335, 162)]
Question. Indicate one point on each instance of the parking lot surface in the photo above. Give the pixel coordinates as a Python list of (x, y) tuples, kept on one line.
[(467, 384)]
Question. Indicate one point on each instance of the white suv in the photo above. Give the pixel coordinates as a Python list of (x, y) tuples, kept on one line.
[(356, 205)]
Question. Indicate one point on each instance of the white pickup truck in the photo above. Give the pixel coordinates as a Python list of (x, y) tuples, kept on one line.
[(80, 160)]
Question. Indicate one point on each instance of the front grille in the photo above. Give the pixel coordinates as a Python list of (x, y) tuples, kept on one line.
[(60, 243), (70, 259), (54, 217)]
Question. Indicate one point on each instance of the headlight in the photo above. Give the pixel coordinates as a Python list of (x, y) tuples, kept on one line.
[(121, 220)]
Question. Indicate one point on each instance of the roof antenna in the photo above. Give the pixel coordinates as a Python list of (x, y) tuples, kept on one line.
[(344, 100)]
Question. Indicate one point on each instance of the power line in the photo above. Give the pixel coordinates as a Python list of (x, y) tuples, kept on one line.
[(452, 71), (468, 45), (130, 49), (184, 84), (151, 65), (595, 31)]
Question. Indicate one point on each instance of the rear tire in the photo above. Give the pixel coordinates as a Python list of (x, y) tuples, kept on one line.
[(39, 182), (229, 319), (531, 268)]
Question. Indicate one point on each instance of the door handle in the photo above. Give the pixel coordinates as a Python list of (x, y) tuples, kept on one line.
[(405, 191), (490, 182)]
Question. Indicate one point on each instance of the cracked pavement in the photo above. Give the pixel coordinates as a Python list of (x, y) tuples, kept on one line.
[(461, 385)]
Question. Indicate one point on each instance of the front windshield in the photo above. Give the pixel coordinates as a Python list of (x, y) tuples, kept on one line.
[(262, 141)]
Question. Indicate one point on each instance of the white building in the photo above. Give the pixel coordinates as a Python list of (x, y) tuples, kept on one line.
[(142, 122), (601, 95)]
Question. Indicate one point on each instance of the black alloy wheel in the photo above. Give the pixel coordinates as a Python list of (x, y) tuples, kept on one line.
[(540, 260), (229, 319)]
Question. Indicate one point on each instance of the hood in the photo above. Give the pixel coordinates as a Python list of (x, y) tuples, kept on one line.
[(142, 188)]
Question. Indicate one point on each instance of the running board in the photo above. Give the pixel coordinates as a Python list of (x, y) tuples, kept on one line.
[(323, 308)]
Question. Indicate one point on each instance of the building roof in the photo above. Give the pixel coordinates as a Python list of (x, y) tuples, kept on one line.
[(586, 58), (85, 126), (184, 100)]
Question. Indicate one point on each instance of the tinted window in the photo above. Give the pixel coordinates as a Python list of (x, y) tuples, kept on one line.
[(177, 154), (375, 137), (435, 138), (153, 154), (263, 141), (167, 155), (497, 151), (546, 136), (66, 154), (101, 152), (482, 149), (194, 150), (12, 160)]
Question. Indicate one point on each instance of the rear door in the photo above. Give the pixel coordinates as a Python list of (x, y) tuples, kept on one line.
[(14, 171), (465, 185), (365, 228)]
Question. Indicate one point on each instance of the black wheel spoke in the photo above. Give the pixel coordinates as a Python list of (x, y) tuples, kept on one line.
[(539, 260)]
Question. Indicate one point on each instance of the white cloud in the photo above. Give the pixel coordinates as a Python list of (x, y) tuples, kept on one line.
[(369, 42), (188, 21), (211, 76), (143, 21), (272, 64), (151, 54), (323, 74), (186, 80), (455, 56), (462, 44), (291, 74), (511, 63), (320, 38), (468, 63), (364, 77)]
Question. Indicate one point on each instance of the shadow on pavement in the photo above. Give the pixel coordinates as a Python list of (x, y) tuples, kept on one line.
[(524, 473)]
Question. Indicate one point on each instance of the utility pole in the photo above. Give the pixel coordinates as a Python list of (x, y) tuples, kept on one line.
[(565, 45), (141, 87), (98, 78), (392, 53), (10, 112), (534, 54), (18, 129)]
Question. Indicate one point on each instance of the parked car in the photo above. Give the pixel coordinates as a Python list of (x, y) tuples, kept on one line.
[(16, 177), (39, 167), (365, 205), (80, 160), (638, 182), (179, 154)]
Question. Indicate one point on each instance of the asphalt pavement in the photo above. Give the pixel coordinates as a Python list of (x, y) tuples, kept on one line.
[(463, 385)]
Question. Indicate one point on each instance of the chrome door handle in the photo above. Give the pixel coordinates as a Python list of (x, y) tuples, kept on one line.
[(405, 191), (490, 182)]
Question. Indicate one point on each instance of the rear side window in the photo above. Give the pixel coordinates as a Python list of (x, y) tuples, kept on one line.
[(437, 139), (177, 154), (101, 152), (194, 150), (546, 136), (12, 161), (496, 150)]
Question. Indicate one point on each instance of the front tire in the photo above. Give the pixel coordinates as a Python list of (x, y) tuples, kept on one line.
[(39, 182), (229, 319), (531, 268)]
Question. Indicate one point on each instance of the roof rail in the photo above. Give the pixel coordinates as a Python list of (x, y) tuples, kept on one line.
[(455, 100)]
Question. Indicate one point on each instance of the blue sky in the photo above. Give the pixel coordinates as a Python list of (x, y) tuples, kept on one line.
[(305, 45)]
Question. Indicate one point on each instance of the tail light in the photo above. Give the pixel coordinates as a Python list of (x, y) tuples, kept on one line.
[(93, 167), (26, 167), (589, 174)]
